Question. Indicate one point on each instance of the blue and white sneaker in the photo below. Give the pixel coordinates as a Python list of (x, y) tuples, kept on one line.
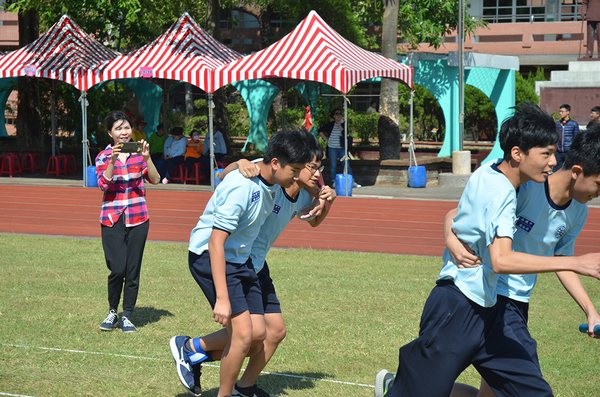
[(110, 322), (184, 366), (127, 325), (383, 381)]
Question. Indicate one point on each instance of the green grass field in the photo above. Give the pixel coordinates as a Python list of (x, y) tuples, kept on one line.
[(347, 315)]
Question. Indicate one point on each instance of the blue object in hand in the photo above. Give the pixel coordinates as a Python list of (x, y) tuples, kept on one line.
[(583, 328)]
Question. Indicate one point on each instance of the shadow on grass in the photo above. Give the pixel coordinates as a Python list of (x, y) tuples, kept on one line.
[(277, 384), (143, 315)]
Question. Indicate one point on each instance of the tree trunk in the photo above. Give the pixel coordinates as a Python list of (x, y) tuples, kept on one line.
[(263, 15), (213, 17), (389, 137), (29, 119)]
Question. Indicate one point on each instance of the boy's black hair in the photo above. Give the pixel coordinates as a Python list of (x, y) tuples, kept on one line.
[(565, 106), (596, 109), (585, 151), (527, 128), (113, 117), (373, 102), (288, 146), (160, 127), (176, 131)]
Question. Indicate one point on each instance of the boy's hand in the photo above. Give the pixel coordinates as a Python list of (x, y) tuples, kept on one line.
[(462, 254), (327, 194), (248, 168), (593, 320), (222, 312), (589, 265), (315, 209)]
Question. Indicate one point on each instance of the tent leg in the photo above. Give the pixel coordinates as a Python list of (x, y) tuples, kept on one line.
[(211, 106), (346, 143)]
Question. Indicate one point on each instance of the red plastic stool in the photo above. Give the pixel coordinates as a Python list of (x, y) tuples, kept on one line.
[(10, 165), (70, 166), (197, 176), (53, 167), (179, 174), (31, 163)]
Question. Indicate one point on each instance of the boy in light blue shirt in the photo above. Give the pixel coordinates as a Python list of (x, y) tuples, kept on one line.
[(461, 323), (550, 216), (219, 259), (294, 201)]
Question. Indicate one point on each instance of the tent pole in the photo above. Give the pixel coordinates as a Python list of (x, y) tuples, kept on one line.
[(345, 144), (283, 103), (410, 133), (84, 140), (211, 105), (53, 117)]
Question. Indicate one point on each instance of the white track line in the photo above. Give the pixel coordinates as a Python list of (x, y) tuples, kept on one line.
[(154, 358), (16, 395)]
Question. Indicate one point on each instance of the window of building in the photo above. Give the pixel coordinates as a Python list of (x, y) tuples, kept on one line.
[(511, 11)]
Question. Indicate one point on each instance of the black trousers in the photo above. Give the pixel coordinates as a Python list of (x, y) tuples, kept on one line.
[(123, 251)]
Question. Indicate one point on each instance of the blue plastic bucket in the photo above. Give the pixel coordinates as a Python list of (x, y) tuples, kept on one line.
[(417, 176), (92, 179), (340, 184)]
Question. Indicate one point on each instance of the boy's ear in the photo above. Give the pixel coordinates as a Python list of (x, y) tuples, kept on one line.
[(576, 171), (275, 164), (516, 154)]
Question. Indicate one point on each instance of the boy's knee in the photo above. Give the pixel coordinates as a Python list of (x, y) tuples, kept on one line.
[(276, 334), (258, 336)]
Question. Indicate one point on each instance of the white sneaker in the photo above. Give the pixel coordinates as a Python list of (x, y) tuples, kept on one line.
[(356, 185), (165, 181)]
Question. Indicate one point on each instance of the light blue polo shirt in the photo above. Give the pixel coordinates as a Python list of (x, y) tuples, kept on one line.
[(486, 210), (284, 210), (543, 228), (238, 206)]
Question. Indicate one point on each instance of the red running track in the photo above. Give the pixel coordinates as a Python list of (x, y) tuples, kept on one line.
[(354, 224)]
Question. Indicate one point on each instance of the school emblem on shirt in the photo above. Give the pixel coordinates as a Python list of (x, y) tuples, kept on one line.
[(276, 209), (524, 224), (560, 231), (256, 196)]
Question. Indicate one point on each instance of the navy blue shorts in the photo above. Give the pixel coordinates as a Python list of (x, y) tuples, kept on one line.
[(242, 283), (455, 333), (516, 315), (269, 297)]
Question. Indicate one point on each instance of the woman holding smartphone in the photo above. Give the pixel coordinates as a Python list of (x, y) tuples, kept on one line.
[(124, 216)]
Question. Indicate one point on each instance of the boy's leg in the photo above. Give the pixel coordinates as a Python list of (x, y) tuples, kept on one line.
[(451, 331), (240, 329), (275, 325), (517, 361)]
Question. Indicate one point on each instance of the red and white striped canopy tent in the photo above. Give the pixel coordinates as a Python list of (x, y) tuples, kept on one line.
[(64, 52), (185, 52), (314, 51)]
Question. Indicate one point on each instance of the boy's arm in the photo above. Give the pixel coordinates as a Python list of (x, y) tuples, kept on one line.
[(461, 253), (246, 167), (222, 310), (575, 288), (320, 207), (507, 261)]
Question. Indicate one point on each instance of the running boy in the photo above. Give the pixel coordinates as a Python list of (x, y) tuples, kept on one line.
[(287, 205), (461, 323), (549, 218), (219, 257)]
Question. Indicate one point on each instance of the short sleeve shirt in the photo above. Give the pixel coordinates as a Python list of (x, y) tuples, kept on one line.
[(543, 228), (239, 206), (486, 210), (284, 210)]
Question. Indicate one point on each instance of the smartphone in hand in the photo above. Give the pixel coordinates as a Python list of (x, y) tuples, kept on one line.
[(131, 147)]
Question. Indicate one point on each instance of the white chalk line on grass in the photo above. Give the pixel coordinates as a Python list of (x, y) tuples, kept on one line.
[(154, 358), (15, 395)]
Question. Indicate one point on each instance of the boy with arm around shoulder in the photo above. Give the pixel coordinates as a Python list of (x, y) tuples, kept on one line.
[(219, 259)]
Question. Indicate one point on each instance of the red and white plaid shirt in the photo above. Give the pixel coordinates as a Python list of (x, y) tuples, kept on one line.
[(124, 192)]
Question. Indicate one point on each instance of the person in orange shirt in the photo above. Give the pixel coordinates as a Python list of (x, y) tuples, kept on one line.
[(193, 154)]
